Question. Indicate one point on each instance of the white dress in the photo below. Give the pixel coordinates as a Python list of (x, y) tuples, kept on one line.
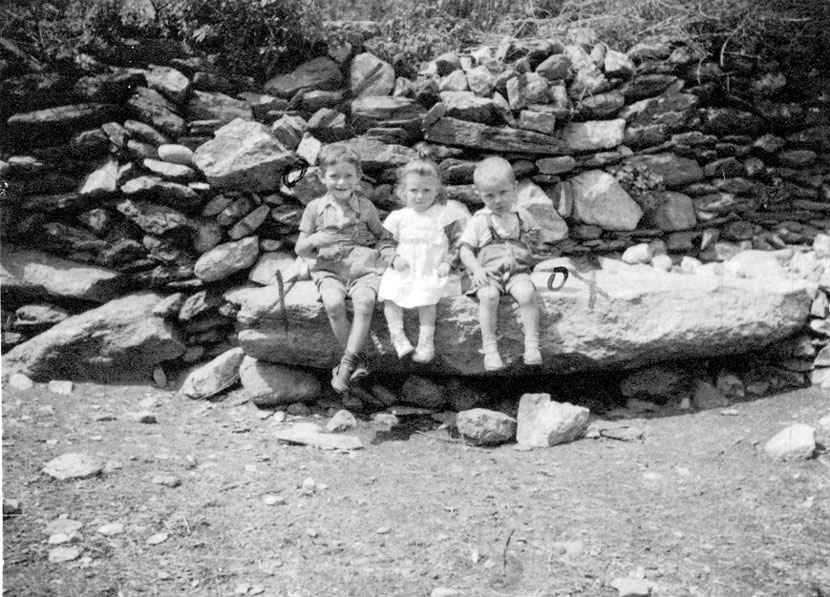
[(422, 241)]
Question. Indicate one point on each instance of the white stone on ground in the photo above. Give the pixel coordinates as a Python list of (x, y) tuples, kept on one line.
[(486, 427), (542, 422), (342, 420), (61, 386), (73, 465), (796, 442)]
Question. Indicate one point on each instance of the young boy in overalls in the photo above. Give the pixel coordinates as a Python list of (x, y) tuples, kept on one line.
[(340, 232), (496, 249)]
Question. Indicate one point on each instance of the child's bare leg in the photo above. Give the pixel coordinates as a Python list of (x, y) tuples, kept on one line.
[(426, 336), (334, 301), (526, 296), (363, 302), (488, 306), (394, 319)]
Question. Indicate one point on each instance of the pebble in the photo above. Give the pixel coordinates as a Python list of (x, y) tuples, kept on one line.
[(383, 530), (312, 533), (12, 507), (149, 402), (273, 500), (444, 592), (632, 587), (167, 480), (21, 382), (61, 386), (111, 528), (144, 416), (72, 466), (342, 420), (60, 555), (824, 422), (157, 539), (386, 420)]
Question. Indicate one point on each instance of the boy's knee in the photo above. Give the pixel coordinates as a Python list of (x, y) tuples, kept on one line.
[(334, 303), (363, 300), (525, 294), (488, 295)]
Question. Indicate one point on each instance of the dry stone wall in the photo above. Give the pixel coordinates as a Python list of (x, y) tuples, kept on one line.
[(169, 177)]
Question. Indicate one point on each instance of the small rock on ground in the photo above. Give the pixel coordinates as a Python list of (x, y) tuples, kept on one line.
[(73, 466), (796, 442), (342, 420), (61, 386)]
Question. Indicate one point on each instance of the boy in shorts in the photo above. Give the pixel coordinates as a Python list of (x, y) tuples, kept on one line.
[(496, 249), (340, 231)]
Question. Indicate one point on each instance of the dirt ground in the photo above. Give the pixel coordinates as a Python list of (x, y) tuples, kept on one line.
[(695, 506)]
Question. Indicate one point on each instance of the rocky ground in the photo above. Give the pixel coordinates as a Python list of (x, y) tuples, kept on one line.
[(199, 498)]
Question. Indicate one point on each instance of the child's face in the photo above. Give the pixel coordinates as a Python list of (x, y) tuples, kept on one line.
[(341, 180), (498, 195), (419, 192)]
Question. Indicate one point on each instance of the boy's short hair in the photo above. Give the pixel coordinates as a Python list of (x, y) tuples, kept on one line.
[(493, 169), (421, 167), (338, 153)]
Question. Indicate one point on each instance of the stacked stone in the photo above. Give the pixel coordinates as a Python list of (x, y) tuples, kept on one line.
[(172, 177)]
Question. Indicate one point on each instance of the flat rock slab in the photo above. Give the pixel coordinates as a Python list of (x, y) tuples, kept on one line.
[(306, 435), (640, 316), (73, 466)]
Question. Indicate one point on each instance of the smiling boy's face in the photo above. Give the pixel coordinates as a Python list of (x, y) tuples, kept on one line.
[(341, 180), (498, 194)]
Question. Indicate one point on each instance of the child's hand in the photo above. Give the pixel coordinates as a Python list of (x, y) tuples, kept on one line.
[(325, 238), (443, 270), (480, 277), (400, 264)]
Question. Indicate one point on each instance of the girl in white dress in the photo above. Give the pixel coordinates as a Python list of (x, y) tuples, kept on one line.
[(426, 231)]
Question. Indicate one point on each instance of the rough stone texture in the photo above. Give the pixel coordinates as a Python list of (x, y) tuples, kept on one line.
[(593, 135), (377, 155), (382, 82), (119, 341), (676, 212), (73, 465), (168, 81), (28, 273), (599, 199), (312, 435), (272, 385), (543, 423), (320, 73), (423, 392), (796, 442), (150, 107), (243, 156), (342, 420), (701, 316), (102, 181), (532, 198), (652, 382), (213, 376), (226, 259), (265, 270), (205, 105), (708, 396), (676, 171), (484, 427)]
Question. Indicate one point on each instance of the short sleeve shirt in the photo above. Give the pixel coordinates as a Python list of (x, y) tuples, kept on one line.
[(515, 223), (326, 214)]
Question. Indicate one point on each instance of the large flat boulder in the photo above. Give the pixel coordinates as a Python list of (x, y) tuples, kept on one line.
[(648, 316), (26, 273), (119, 341)]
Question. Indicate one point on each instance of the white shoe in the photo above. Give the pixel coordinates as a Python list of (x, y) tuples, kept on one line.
[(532, 356), (425, 351), (492, 361), (402, 345)]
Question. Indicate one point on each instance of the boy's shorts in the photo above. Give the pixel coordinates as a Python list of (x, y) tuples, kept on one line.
[(326, 280), (503, 282)]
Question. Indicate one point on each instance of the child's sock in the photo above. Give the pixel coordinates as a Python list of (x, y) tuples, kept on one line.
[(341, 374), (426, 345), (492, 358), (532, 354)]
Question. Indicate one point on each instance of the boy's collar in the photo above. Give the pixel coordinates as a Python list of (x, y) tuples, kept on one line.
[(353, 202), (488, 211)]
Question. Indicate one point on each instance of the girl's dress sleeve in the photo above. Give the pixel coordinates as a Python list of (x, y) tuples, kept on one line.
[(388, 242)]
